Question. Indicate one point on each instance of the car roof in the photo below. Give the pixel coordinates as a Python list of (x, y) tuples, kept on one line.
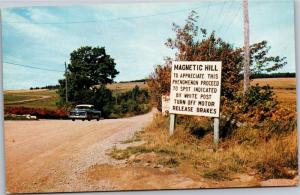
[(85, 105)]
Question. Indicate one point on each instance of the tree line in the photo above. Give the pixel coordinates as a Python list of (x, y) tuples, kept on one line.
[(274, 75), (89, 71)]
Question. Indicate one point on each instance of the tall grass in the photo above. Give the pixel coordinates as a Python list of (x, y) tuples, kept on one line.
[(247, 150)]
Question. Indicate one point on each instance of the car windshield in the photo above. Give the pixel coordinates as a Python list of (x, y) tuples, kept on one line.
[(84, 107)]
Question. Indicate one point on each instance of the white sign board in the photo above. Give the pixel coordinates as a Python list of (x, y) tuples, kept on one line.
[(196, 88)]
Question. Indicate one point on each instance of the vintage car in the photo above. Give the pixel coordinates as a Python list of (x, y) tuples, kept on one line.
[(84, 111)]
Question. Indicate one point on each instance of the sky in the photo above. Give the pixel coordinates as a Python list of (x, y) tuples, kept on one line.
[(133, 34)]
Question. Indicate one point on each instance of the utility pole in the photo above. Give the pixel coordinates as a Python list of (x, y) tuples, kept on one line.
[(1, 53), (66, 78), (246, 47)]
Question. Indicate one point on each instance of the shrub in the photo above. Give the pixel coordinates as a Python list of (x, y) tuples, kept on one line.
[(103, 100), (132, 102), (257, 96), (159, 83), (39, 112)]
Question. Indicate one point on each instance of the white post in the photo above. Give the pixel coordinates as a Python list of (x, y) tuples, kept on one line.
[(216, 130), (172, 123)]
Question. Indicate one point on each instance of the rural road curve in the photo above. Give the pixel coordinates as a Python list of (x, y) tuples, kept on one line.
[(51, 155)]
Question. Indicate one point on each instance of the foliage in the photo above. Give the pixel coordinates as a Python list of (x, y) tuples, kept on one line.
[(132, 102), (258, 96), (258, 109), (50, 87), (159, 83), (195, 44), (38, 112), (103, 99), (88, 67), (261, 62), (274, 75)]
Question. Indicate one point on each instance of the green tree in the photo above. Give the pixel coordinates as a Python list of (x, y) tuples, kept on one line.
[(103, 99), (89, 67)]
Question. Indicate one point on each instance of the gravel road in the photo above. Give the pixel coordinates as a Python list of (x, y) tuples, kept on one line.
[(51, 155), (66, 156)]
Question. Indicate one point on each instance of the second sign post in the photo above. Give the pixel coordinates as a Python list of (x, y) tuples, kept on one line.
[(196, 90)]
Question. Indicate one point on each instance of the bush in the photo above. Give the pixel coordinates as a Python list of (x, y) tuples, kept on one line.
[(16, 117), (160, 83), (129, 103), (41, 113), (103, 100), (259, 95)]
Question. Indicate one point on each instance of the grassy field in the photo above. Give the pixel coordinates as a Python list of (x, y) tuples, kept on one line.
[(121, 87), (16, 97), (31, 98)]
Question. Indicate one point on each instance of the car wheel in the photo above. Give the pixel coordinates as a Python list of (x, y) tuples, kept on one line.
[(83, 119), (73, 119)]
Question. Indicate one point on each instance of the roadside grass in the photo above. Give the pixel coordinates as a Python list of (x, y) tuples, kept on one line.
[(245, 152), (135, 138)]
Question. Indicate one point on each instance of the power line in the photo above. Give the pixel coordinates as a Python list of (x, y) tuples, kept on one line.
[(32, 67), (104, 20), (234, 18), (222, 9), (206, 12), (224, 18)]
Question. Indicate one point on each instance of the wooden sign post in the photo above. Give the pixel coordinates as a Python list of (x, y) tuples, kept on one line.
[(196, 90)]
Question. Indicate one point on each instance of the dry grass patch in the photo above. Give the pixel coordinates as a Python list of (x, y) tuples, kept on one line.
[(250, 151)]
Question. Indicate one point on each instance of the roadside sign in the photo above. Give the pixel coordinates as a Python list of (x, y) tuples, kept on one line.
[(196, 88)]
